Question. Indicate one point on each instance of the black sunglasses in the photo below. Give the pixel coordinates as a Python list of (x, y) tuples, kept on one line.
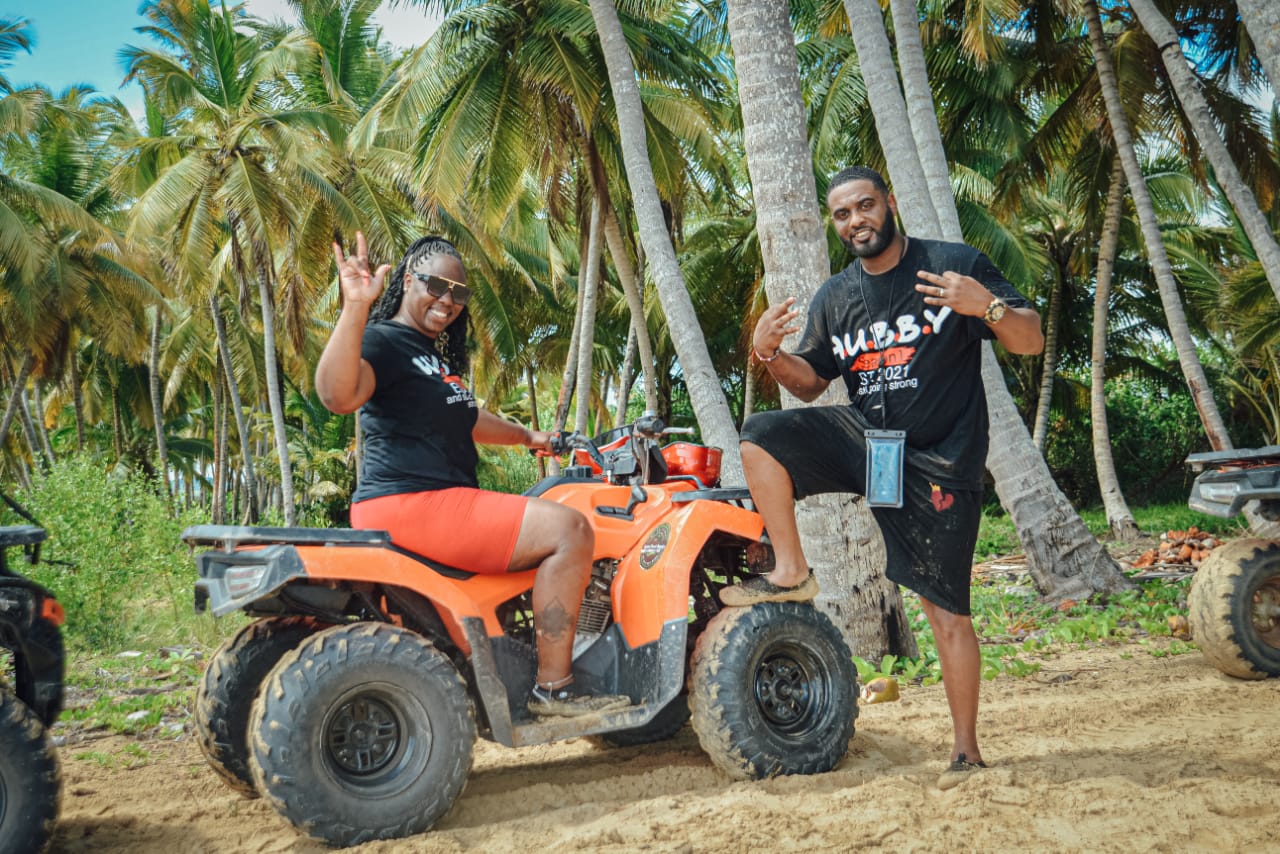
[(438, 286)]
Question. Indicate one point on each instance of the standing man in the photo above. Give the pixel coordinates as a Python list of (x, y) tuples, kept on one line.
[(903, 325)]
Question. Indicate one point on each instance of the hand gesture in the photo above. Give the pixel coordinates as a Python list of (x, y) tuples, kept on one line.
[(962, 294), (774, 325), (359, 286)]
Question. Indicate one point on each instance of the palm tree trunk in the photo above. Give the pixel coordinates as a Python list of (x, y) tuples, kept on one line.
[(157, 402), (535, 421), (1197, 382), (1119, 519), (748, 391), (1061, 553), (705, 392), (275, 399), (1186, 85), (29, 432), (117, 424), (924, 118), (1262, 19), (589, 277), (893, 123), (633, 290), (19, 383), (840, 536), (77, 398), (1049, 363), (568, 377), (42, 431), (233, 389), (626, 378), (220, 468)]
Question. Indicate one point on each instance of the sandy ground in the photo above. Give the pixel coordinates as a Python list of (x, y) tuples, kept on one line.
[(1105, 749)]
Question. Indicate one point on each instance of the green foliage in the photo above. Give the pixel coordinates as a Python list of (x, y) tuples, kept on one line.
[(1152, 432), (1017, 631), (506, 469), (133, 694), (996, 534), (130, 578)]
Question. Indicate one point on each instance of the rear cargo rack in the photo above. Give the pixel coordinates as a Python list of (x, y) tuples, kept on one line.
[(230, 536)]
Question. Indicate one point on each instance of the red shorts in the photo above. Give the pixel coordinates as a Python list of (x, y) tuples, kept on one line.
[(471, 529)]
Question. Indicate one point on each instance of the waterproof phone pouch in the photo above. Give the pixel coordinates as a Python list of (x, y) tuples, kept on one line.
[(885, 450)]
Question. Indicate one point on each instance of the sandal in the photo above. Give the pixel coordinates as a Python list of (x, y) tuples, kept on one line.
[(958, 771), (758, 589), (561, 699)]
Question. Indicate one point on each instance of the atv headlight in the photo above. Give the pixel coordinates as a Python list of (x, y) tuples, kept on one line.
[(243, 580), (1220, 493)]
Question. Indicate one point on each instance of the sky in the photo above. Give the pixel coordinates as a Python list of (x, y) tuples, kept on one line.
[(77, 41)]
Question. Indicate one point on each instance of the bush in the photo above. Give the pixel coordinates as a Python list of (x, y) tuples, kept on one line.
[(130, 577)]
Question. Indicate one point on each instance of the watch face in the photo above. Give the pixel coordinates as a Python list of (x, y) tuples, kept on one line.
[(995, 311)]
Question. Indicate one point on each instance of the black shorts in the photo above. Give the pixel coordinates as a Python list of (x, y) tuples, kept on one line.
[(929, 541)]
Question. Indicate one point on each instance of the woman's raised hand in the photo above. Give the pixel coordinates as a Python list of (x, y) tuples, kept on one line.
[(359, 285)]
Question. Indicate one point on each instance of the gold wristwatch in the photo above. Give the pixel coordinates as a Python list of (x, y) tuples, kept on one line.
[(995, 311)]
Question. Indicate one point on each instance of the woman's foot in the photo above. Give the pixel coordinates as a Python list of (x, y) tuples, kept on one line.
[(759, 588), (555, 698)]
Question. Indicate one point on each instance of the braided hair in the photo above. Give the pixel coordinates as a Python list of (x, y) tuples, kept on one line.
[(452, 341)]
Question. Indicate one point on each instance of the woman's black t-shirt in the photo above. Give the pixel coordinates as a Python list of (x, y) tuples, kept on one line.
[(908, 365), (417, 425)]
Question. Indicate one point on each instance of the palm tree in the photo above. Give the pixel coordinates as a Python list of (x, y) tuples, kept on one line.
[(1119, 519), (1187, 86), (704, 387), (1198, 383), (246, 168), (1262, 19)]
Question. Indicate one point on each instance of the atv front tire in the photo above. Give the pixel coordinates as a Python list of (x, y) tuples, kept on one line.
[(29, 777), (364, 732), (1234, 608), (773, 691), (231, 682)]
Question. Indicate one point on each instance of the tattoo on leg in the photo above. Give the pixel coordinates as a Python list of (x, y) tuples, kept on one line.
[(553, 622)]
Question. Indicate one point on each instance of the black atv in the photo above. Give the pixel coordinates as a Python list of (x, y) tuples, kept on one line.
[(31, 671), (1235, 600)]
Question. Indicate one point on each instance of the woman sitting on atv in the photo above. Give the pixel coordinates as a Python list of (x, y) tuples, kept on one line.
[(398, 357)]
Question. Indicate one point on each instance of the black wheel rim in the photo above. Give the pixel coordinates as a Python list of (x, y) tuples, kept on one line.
[(792, 689), (376, 740), (1265, 613)]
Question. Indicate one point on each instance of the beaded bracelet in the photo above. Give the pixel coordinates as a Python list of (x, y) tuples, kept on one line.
[(759, 358)]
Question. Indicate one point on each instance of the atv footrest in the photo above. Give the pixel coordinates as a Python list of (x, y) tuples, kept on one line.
[(239, 535)]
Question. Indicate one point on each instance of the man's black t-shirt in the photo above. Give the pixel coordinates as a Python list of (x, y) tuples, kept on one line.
[(906, 364), (417, 425)]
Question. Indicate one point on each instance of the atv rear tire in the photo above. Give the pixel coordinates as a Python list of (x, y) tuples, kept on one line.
[(1235, 608), (773, 691), (231, 682), (29, 777), (364, 732), (664, 725)]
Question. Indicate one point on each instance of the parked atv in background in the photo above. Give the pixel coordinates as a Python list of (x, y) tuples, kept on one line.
[(1235, 599), (31, 690), (353, 703)]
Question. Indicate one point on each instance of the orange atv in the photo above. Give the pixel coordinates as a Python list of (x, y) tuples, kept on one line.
[(354, 702)]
